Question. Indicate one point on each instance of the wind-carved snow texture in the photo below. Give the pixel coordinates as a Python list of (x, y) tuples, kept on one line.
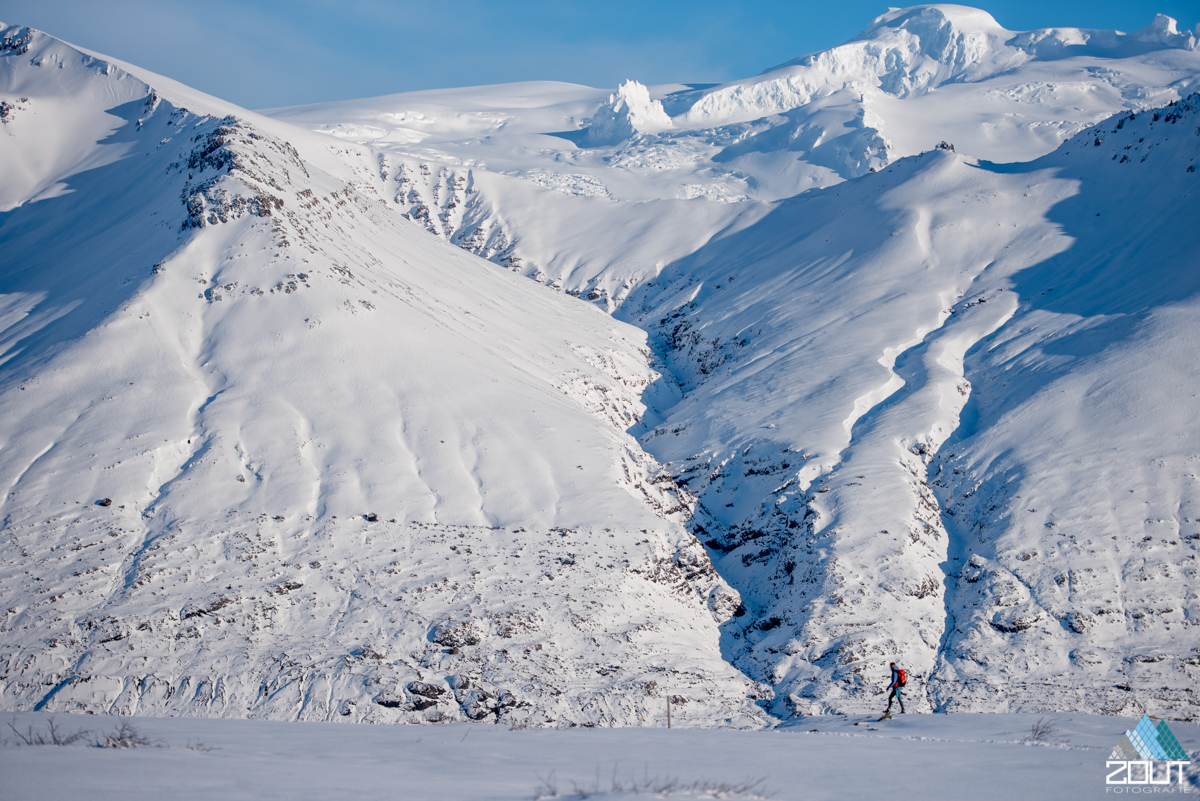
[(273, 451), (919, 402)]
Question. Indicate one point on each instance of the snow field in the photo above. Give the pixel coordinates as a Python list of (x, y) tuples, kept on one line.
[(914, 756)]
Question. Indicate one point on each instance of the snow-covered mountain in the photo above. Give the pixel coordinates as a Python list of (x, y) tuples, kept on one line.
[(953, 372), (794, 392), (271, 449)]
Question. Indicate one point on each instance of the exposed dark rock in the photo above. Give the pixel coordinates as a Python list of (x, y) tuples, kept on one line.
[(425, 689), (455, 633)]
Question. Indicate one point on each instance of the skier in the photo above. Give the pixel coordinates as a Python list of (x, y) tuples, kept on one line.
[(898, 681)]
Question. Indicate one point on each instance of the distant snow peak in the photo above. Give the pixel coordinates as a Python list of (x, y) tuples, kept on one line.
[(1056, 43), (1163, 31), (931, 20), (626, 113), (904, 53), (937, 27), (909, 52)]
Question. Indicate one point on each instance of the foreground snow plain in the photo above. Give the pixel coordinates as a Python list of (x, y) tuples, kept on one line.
[(978, 756)]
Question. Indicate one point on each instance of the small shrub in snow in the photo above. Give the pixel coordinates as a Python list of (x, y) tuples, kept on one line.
[(655, 787), (126, 736), (52, 736), (1043, 732)]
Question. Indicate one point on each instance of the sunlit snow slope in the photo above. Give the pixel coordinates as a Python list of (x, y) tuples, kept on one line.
[(269, 449)]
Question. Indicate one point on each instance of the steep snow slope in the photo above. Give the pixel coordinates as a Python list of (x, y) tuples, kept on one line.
[(272, 450), (1011, 344), (1071, 482)]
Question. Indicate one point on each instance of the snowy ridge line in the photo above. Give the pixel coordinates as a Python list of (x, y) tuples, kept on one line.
[(859, 126)]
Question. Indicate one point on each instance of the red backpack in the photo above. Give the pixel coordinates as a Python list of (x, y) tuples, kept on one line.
[(901, 679)]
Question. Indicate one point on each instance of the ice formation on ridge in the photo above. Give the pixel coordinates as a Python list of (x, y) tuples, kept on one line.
[(626, 113)]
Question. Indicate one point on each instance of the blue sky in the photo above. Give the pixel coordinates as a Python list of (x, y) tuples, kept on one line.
[(262, 53)]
